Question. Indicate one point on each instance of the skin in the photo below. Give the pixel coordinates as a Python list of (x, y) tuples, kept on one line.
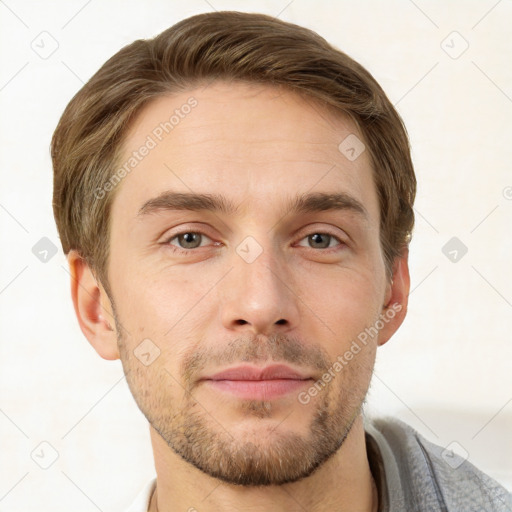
[(300, 302)]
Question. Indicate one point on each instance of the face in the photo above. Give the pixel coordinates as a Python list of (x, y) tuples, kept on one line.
[(244, 263)]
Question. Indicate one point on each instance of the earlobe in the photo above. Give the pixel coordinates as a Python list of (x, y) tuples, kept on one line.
[(92, 307), (397, 296)]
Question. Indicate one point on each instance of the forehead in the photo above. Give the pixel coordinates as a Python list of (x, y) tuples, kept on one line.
[(258, 144)]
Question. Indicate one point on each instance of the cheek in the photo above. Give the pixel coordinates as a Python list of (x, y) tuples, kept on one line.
[(346, 300), (154, 386), (164, 308)]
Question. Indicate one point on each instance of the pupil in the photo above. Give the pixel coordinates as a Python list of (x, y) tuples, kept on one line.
[(189, 238), (317, 239)]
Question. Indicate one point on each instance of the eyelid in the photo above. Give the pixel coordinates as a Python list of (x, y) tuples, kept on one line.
[(181, 229)]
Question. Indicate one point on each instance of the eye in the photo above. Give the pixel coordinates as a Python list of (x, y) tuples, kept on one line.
[(322, 241), (188, 240)]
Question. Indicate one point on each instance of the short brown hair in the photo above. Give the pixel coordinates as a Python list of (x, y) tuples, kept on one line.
[(256, 48)]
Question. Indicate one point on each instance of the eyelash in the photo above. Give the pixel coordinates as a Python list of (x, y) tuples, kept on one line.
[(189, 252)]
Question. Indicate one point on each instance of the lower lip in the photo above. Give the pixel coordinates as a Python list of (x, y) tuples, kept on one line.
[(258, 389)]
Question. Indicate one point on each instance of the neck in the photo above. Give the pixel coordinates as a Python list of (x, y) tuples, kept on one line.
[(342, 483)]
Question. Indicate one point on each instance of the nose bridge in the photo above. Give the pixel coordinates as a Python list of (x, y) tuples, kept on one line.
[(259, 267), (258, 296)]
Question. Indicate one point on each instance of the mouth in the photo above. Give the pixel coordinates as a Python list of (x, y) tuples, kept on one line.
[(256, 383)]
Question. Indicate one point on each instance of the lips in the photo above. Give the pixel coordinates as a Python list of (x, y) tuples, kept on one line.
[(246, 372), (255, 383)]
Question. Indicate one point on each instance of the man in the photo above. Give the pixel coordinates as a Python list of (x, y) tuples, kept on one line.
[(235, 198)]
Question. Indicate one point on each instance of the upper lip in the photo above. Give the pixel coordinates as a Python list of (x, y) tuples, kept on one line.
[(247, 372)]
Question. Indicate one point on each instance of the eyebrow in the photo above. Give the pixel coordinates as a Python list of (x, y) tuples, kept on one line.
[(304, 203)]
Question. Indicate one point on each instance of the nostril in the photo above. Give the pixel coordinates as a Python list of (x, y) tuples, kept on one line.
[(281, 322), (241, 322)]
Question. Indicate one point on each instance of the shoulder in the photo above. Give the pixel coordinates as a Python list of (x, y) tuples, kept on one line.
[(434, 474)]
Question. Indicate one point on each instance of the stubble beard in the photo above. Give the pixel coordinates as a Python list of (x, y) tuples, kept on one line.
[(269, 454)]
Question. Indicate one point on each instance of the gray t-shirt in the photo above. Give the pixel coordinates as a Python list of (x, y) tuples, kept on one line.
[(413, 474)]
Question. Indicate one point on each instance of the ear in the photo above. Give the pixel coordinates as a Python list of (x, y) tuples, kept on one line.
[(396, 298), (92, 307)]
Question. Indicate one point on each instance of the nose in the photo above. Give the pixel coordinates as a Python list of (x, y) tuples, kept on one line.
[(259, 296)]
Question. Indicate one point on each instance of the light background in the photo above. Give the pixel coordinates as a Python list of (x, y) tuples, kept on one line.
[(448, 370)]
